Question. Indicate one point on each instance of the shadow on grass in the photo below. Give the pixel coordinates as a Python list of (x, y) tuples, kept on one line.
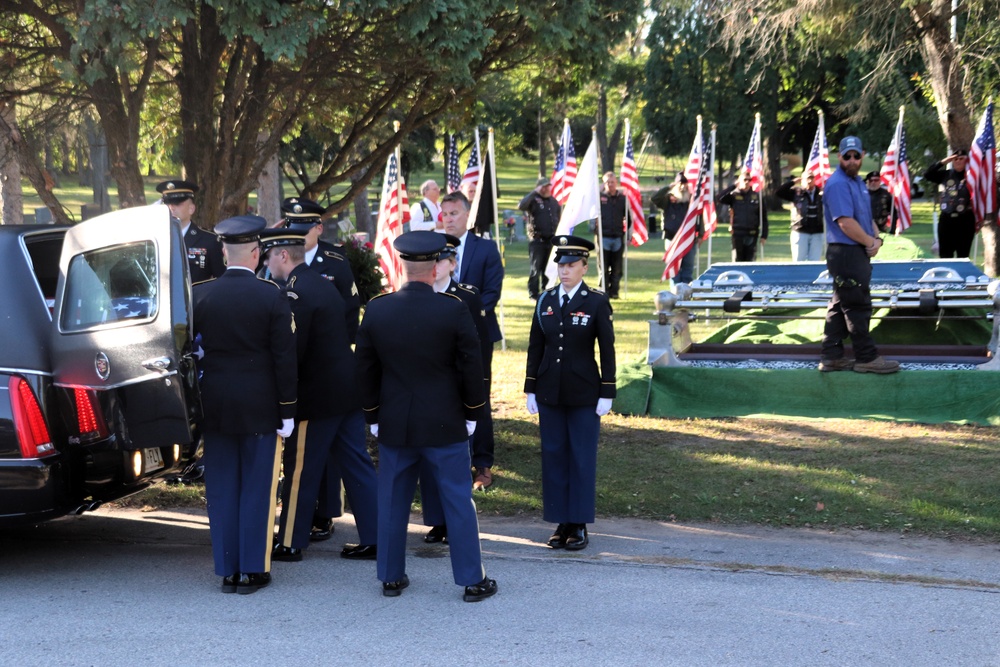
[(927, 479)]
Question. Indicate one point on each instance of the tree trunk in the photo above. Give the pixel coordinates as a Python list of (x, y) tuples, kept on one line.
[(98, 164), (11, 197), (607, 161), (120, 131), (27, 156), (269, 189), (947, 75), (82, 166), (50, 168), (64, 169), (542, 167), (363, 220)]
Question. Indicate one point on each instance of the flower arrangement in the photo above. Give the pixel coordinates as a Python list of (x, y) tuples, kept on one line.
[(365, 266)]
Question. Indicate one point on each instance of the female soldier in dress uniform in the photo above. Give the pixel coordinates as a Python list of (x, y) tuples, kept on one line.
[(568, 391)]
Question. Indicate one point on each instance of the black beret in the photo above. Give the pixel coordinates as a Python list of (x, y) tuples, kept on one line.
[(241, 229), (174, 192), (422, 246), (571, 249)]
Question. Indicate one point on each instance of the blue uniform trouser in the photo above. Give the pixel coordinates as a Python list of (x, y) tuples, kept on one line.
[(430, 499), (569, 462), (241, 479), (340, 439), (397, 481)]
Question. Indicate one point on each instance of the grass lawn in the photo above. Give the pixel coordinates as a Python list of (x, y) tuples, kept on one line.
[(929, 479)]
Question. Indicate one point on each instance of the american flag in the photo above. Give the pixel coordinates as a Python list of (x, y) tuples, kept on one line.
[(755, 161), (819, 157), (683, 241), (701, 153), (708, 190), (981, 172), (630, 184), (693, 166), (454, 175), (564, 174), (896, 176), (393, 212), (471, 176)]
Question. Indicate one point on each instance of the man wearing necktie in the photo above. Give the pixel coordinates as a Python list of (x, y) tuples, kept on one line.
[(478, 264)]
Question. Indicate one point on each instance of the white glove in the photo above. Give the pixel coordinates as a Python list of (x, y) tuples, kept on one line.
[(470, 427), (374, 429), (532, 405), (603, 406), (286, 427)]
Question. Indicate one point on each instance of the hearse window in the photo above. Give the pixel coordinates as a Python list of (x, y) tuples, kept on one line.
[(110, 285)]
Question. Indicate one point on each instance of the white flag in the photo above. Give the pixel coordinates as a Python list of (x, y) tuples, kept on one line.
[(584, 203)]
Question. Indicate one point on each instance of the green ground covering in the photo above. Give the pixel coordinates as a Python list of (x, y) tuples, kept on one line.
[(883, 475)]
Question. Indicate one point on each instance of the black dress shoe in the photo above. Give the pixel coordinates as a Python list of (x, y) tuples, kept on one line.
[(286, 554), (229, 583), (252, 582), (576, 537), (359, 552), (322, 529), (437, 534), (195, 472), (392, 589), (558, 539), (484, 589)]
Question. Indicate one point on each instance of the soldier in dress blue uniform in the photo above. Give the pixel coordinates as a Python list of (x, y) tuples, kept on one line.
[(568, 391), (204, 252), (248, 394), (331, 263), (329, 422), (433, 514), (420, 375)]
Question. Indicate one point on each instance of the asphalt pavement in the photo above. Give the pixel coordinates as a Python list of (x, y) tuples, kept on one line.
[(124, 587)]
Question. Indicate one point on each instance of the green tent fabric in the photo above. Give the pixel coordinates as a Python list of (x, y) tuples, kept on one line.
[(928, 397)]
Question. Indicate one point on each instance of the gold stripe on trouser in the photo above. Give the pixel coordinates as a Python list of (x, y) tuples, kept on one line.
[(272, 504), (295, 480)]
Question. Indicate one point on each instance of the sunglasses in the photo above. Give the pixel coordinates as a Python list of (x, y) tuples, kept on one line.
[(851, 156)]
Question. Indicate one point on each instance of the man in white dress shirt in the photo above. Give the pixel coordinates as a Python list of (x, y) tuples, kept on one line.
[(426, 214)]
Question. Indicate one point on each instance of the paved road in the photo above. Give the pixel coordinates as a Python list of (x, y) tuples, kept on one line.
[(126, 588)]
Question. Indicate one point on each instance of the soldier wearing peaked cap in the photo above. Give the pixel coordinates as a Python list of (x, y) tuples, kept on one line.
[(248, 391), (568, 391), (433, 514), (957, 223), (327, 260), (420, 377), (329, 424), (204, 252)]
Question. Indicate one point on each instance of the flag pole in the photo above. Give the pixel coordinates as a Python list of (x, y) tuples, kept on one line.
[(628, 208), (398, 194), (760, 208), (642, 153), (601, 285), (491, 147), (711, 194), (895, 177)]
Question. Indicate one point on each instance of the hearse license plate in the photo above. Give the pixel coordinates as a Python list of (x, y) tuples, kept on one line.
[(153, 459)]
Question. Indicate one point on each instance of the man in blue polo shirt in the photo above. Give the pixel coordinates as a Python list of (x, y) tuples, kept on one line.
[(852, 240)]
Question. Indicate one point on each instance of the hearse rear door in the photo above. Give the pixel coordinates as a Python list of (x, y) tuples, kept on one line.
[(122, 320)]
